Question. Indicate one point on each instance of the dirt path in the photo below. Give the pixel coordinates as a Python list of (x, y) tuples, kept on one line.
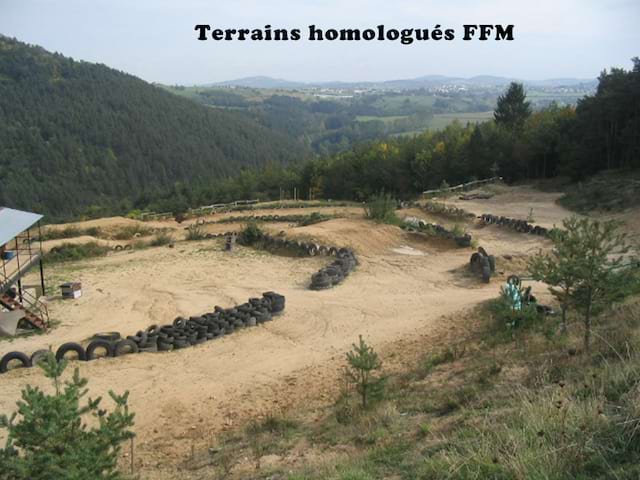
[(405, 284)]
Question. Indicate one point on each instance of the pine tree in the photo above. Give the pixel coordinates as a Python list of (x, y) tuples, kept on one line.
[(48, 437), (584, 269), (512, 109), (558, 267), (363, 363)]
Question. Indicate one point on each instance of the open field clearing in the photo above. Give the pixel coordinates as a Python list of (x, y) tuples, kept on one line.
[(406, 285), (441, 120)]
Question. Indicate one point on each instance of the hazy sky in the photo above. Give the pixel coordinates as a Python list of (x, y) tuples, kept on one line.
[(155, 39)]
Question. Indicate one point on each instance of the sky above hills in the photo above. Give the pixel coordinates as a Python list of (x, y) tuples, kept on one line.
[(155, 39)]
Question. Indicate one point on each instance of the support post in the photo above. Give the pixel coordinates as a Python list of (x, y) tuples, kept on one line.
[(42, 277)]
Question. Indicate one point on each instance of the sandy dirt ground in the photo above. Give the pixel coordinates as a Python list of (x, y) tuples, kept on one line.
[(406, 285)]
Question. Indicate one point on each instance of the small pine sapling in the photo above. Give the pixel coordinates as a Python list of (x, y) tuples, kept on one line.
[(363, 362)]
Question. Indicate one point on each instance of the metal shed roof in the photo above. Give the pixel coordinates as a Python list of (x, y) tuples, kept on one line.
[(14, 222)]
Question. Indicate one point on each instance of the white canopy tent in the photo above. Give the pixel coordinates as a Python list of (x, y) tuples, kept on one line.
[(13, 222)]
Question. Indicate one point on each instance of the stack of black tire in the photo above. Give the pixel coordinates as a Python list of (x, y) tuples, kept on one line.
[(335, 272), (483, 264), (181, 333), (310, 249), (521, 226)]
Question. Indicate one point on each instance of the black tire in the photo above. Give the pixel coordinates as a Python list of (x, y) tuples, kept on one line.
[(96, 344), (123, 347), (513, 279), (482, 252), (475, 262), (38, 356), (109, 336), (180, 344), (164, 347), (153, 330), (179, 322), (117, 248), (71, 347), (486, 270), (148, 349), (24, 359), (492, 263), (486, 274)]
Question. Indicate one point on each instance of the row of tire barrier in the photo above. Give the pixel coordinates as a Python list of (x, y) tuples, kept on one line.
[(521, 226), (327, 277), (476, 196), (417, 224), (300, 219), (298, 247), (335, 273), (448, 210), (181, 333), (483, 264)]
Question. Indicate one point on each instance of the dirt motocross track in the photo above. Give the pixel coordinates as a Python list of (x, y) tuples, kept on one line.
[(405, 285)]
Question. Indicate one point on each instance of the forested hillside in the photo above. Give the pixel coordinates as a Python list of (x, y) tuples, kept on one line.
[(602, 132), (78, 137)]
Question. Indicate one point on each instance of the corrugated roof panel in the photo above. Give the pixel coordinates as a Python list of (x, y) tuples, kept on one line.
[(14, 222)]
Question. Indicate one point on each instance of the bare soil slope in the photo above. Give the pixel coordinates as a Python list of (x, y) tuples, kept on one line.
[(182, 398)]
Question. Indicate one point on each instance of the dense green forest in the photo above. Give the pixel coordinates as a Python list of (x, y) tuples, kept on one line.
[(77, 137), (602, 132)]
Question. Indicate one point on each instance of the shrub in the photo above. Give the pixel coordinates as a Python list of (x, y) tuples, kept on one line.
[(458, 230), (195, 232), (48, 437), (511, 316), (315, 217), (161, 238), (251, 233), (68, 252), (382, 208)]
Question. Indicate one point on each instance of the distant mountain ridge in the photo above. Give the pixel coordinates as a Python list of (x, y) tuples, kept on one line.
[(426, 81)]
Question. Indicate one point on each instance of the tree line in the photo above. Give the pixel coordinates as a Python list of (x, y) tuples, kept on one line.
[(601, 132)]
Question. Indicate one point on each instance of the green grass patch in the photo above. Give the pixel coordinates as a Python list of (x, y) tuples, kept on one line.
[(161, 238), (130, 231), (69, 252), (608, 191), (70, 231)]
